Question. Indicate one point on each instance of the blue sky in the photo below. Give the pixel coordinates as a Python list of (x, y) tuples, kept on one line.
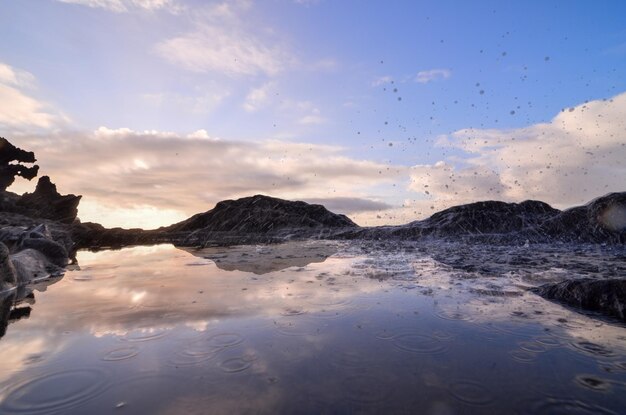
[(349, 88)]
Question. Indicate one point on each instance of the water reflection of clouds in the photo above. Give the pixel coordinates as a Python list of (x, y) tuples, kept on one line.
[(134, 297), (339, 331)]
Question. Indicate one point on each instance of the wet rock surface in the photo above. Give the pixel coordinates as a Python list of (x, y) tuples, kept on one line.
[(607, 296), (28, 254)]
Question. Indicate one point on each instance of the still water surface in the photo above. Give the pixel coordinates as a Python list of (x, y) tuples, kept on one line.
[(303, 328)]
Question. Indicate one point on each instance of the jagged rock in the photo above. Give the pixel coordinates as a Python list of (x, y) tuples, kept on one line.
[(9, 153), (605, 296), (46, 202)]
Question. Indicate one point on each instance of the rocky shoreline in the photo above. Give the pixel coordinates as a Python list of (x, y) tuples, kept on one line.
[(40, 231)]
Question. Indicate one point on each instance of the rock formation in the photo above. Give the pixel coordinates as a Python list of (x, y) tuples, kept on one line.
[(45, 202), (259, 218), (601, 220), (29, 254), (8, 170), (606, 296), (489, 217)]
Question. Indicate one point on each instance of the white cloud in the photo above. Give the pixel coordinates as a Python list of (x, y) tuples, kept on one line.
[(203, 101), (201, 134), (307, 2), (579, 155), (129, 174), (448, 183), (424, 77), (123, 6), (326, 64), (19, 111), (15, 77), (382, 80), (259, 97), (224, 48), (312, 119)]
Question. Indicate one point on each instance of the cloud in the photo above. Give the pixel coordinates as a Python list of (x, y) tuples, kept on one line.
[(580, 154), (201, 134), (15, 77), (19, 110), (424, 77), (324, 65), (204, 100), (222, 41), (127, 177), (307, 2), (259, 97), (450, 183), (123, 6), (382, 80), (312, 119)]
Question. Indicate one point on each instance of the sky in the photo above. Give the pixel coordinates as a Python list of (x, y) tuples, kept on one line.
[(386, 111)]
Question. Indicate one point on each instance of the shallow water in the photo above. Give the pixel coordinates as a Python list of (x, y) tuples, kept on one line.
[(317, 327)]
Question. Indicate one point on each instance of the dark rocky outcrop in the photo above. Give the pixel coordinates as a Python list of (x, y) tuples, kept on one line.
[(11, 159), (258, 219), (260, 214), (488, 217), (88, 235), (45, 202), (601, 220), (606, 296)]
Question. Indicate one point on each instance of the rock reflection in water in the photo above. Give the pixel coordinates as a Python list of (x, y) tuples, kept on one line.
[(263, 259), (326, 328)]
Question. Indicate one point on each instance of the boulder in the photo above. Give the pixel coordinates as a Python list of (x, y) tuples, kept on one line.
[(53, 251), (606, 296), (31, 265)]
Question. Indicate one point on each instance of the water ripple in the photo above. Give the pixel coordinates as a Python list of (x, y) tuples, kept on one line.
[(55, 392), (122, 353), (471, 392), (418, 343)]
